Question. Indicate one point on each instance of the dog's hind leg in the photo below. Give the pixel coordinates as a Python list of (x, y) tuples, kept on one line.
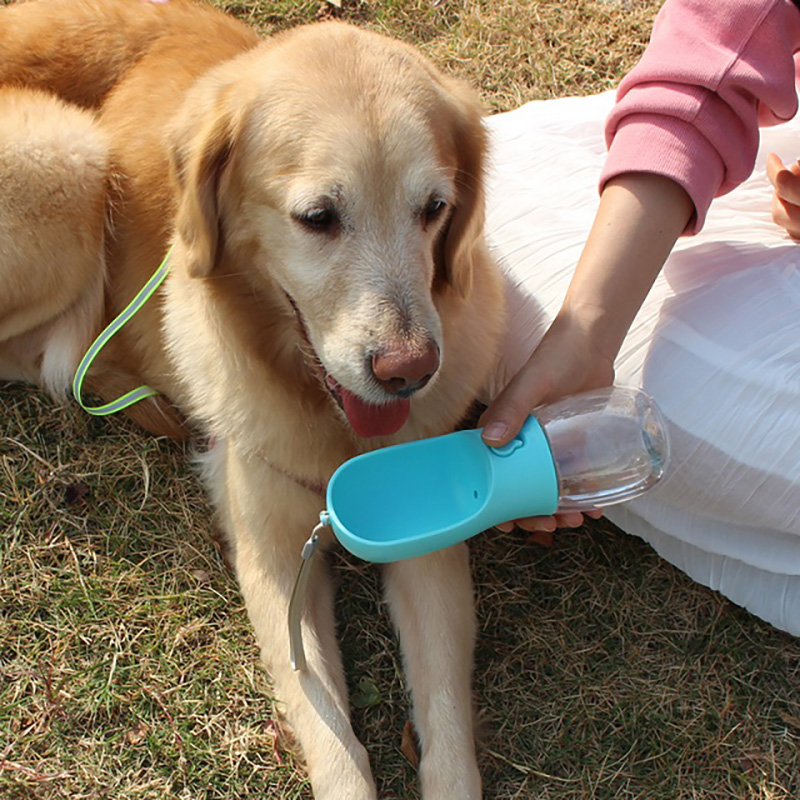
[(54, 176), (431, 602)]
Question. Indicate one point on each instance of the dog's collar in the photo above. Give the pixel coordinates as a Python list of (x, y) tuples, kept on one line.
[(317, 487)]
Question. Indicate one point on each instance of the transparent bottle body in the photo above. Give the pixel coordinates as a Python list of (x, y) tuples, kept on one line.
[(608, 445)]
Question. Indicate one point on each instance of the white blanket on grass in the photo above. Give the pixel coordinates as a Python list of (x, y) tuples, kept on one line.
[(717, 343)]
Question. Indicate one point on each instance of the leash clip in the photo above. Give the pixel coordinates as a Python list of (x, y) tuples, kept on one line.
[(298, 599)]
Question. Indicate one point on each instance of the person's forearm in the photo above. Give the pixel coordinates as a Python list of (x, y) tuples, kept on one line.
[(637, 223), (639, 219)]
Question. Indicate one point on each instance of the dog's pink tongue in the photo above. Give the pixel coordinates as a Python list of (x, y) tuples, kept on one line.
[(369, 420)]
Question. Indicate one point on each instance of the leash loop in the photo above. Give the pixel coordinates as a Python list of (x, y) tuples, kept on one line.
[(134, 396)]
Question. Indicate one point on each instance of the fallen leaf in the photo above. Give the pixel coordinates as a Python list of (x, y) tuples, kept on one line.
[(137, 734), (275, 731), (408, 746), (366, 694)]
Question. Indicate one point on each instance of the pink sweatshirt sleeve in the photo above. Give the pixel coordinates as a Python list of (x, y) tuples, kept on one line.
[(690, 110)]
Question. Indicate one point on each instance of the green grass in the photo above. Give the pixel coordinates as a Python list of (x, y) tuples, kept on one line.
[(128, 668)]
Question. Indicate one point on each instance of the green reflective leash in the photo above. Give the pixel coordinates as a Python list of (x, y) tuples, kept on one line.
[(134, 396)]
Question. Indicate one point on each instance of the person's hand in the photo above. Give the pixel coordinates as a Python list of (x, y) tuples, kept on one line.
[(638, 221), (786, 200), (566, 361)]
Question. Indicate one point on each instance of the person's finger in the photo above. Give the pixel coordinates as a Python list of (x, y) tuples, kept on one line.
[(532, 524), (564, 519), (569, 519), (787, 187), (774, 166), (505, 527), (786, 181), (787, 216), (504, 417), (786, 199)]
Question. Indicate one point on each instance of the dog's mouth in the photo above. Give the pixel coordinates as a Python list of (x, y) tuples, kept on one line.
[(368, 419)]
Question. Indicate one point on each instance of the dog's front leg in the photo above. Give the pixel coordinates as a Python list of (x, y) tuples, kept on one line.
[(268, 538), (433, 609)]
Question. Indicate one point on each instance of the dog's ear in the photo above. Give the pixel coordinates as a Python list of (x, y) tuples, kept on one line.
[(461, 242), (202, 152)]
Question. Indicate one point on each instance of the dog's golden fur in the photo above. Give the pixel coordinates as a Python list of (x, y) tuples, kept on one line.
[(323, 194)]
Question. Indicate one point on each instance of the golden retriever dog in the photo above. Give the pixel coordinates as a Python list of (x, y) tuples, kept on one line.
[(330, 292)]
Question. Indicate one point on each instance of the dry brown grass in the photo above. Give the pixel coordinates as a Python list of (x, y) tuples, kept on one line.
[(128, 668)]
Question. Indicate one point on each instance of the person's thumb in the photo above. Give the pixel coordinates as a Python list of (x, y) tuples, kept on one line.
[(503, 419)]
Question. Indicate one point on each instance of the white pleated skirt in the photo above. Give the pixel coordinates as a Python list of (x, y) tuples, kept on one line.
[(717, 343)]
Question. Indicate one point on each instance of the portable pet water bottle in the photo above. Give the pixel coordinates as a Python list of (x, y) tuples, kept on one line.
[(584, 452)]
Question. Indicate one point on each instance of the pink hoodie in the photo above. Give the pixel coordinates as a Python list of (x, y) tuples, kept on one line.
[(690, 110)]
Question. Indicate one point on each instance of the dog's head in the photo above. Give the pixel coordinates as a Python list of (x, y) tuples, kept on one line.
[(338, 170)]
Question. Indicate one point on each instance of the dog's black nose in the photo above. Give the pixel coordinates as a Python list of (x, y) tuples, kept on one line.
[(406, 367)]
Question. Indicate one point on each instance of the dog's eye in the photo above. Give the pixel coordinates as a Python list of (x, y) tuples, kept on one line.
[(318, 220), (433, 210)]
